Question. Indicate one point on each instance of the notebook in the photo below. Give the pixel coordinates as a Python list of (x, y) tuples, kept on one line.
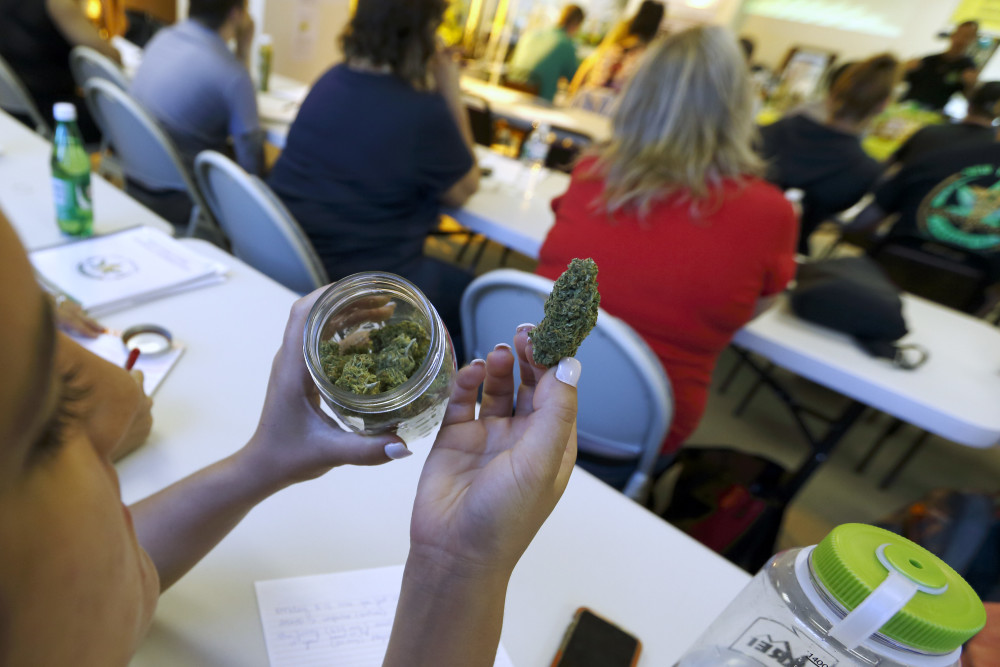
[(112, 272), (341, 619)]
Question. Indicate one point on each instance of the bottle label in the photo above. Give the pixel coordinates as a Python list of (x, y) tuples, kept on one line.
[(774, 644), (74, 210)]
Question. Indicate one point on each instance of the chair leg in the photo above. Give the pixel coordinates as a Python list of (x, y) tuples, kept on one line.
[(877, 445), (479, 254), (898, 468)]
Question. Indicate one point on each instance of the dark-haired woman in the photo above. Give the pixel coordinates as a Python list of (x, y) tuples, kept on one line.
[(381, 142)]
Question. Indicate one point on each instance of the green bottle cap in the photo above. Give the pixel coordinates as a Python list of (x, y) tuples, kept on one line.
[(854, 559)]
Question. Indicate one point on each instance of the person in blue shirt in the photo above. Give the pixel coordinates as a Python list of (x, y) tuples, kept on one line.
[(542, 57), (381, 142), (201, 94)]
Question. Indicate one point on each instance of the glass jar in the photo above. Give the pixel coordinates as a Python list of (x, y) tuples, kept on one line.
[(367, 302), (789, 613)]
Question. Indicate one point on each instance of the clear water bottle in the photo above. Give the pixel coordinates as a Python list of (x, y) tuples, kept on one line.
[(71, 175), (862, 596), (533, 155)]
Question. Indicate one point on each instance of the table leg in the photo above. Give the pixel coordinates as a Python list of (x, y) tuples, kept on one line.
[(822, 449)]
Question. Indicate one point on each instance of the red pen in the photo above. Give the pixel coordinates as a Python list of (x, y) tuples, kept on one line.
[(133, 356)]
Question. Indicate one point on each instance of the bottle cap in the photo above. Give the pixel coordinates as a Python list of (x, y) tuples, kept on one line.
[(931, 608), (64, 112)]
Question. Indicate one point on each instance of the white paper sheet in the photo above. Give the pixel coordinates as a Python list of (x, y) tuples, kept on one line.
[(341, 619), (154, 368)]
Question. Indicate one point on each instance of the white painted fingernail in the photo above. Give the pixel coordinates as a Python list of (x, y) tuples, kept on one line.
[(526, 325), (568, 371), (477, 362), (397, 450), (503, 346)]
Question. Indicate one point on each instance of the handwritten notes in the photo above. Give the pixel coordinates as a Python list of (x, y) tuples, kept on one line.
[(341, 619)]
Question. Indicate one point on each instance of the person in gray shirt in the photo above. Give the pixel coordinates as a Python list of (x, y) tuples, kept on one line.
[(198, 90)]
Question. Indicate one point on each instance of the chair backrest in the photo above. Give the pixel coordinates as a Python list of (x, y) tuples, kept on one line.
[(15, 98), (87, 63), (147, 155), (480, 118), (625, 409), (937, 271), (261, 230)]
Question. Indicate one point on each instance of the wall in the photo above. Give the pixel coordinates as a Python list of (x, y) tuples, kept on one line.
[(281, 20), (921, 21)]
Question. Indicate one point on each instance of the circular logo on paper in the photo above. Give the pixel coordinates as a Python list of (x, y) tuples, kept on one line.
[(964, 209), (107, 267)]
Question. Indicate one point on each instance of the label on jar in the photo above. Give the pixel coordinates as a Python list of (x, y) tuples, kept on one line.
[(423, 424), (772, 643)]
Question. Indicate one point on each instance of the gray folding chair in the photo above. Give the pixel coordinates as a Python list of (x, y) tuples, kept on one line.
[(15, 98), (261, 230), (626, 407), (146, 153), (86, 64)]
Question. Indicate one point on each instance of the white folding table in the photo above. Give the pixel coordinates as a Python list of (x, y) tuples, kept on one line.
[(26, 192), (598, 549)]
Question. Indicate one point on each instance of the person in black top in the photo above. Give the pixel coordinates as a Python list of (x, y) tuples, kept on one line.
[(36, 37), (934, 79), (823, 157), (951, 195), (976, 128), (380, 144)]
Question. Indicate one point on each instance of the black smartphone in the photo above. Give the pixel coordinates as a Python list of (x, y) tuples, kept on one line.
[(591, 641)]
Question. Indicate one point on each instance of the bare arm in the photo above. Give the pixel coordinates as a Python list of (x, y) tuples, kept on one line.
[(294, 441), (447, 78), (77, 29)]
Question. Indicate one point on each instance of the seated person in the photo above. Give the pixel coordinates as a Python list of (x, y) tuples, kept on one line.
[(976, 128), (934, 79), (367, 182), (81, 573), (201, 94), (615, 60), (688, 239), (824, 158), (36, 37), (949, 195), (542, 57)]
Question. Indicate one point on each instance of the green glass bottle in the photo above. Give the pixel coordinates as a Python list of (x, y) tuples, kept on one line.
[(71, 175)]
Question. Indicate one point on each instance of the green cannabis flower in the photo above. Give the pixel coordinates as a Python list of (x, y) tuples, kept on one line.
[(387, 359), (570, 314)]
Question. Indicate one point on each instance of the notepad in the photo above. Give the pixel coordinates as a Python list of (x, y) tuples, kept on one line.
[(341, 619), (154, 368), (112, 272)]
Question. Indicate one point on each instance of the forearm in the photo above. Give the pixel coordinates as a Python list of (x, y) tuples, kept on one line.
[(446, 618), (77, 29), (179, 525), (249, 150)]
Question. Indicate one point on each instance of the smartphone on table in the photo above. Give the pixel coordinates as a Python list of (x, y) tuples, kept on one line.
[(591, 641)]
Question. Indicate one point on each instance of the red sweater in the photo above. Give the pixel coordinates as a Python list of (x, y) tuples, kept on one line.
[(686, 284)]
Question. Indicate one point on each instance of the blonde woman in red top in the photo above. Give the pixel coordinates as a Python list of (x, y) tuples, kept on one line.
[(690, 242)]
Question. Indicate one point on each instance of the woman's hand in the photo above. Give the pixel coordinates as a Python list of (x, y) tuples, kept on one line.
[(487, 487), (295, 440), (490, 483), (73, 319)]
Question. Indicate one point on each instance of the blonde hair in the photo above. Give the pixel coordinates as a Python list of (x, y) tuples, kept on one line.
[(684, 123)]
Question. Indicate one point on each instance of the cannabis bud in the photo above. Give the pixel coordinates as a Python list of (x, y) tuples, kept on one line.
[(377, 361), (570, 314)]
